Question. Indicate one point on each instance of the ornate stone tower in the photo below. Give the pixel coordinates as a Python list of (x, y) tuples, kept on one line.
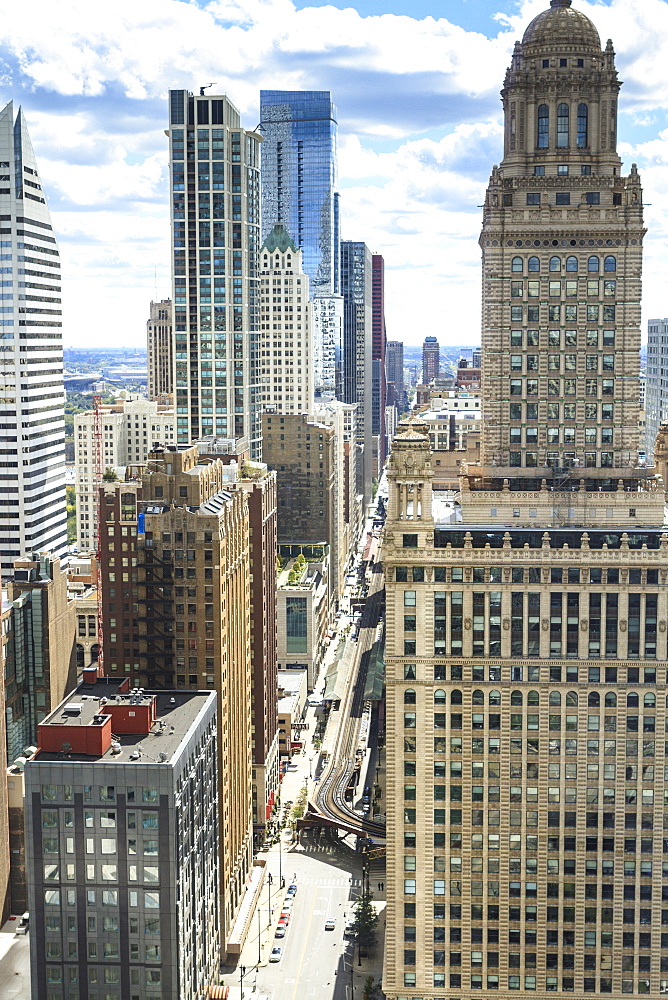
[(527, 630), (562, 256)]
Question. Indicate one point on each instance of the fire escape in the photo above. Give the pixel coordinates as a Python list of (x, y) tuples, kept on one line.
[(155, 614)]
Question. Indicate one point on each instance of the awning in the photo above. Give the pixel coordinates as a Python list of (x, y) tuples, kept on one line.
[(375, 675)]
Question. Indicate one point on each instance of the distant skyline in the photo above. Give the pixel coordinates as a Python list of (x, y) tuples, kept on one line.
[(417, 89)]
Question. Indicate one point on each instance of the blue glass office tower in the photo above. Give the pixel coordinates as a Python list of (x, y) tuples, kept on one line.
[(299, 129)]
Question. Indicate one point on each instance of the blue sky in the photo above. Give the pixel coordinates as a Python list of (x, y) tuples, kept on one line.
[(417, 88)]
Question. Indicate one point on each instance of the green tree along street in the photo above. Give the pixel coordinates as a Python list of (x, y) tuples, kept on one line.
[(366, 920), (71, 514)]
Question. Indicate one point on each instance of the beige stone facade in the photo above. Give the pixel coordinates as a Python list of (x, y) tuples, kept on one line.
[(160, 350), (527, 624)]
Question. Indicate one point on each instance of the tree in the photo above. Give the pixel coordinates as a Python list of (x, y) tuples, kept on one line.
[(366, 920), (368, 988), (110, 476)]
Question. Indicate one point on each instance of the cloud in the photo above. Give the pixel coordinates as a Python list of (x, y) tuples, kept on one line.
[(419, 120)]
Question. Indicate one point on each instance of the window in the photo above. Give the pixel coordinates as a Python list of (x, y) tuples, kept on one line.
[(533, 198), (563, 198), (517, 265), (562, 126), (610, 264), (593, 198), (583, 126), (542, 137), (593, 264), (534, 264)]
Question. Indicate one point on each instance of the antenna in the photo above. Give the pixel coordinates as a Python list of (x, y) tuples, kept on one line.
[(206, 87)]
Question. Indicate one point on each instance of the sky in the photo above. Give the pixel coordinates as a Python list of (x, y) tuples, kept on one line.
[(416, 83)]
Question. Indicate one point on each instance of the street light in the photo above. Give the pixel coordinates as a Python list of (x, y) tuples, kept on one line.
[(280, 858), (242, 971), (270, 881)]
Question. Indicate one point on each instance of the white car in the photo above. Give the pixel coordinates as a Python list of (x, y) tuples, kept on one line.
[(276, 954)]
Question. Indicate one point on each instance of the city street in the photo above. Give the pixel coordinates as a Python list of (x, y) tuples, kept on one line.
[(315, 962)]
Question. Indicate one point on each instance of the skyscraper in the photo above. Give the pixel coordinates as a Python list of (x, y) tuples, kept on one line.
[(286, 326), (160, 350), (378, 378), (431, 359), (656, 392), (32, 493), (354, 381), (299, 129), (394, 370), (526, 642), (215, 213)]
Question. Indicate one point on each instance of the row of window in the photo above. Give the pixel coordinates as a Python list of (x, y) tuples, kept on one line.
[(561, 387), (555, 771), (532, 673), (562, 362), (561, 312), (533, 699), (562, 338), (560, 435), (590, 985), (494, 574), (556, 288), (556, 264), (561, 411), (530, 746)]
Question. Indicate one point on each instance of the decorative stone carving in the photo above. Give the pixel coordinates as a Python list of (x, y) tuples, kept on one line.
[(545, 625), (584, 626), (506, 624), (662, 626), (622, 625), (467, 624)]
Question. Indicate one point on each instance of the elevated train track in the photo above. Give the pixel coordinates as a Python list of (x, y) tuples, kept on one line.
[(330, 807)]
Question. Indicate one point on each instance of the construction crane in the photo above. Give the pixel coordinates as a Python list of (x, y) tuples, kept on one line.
[(98, 472)]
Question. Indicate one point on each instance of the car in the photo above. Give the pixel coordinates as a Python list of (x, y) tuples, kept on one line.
[(330, 924), (292, 889), (287, 903), (284, 917), (349, 930), (276, 953), (280, 931)]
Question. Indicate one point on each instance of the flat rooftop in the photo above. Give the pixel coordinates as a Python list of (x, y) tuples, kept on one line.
[(170, 720)]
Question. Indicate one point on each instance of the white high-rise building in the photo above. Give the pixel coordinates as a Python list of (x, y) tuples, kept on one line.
[(129, 430), (286, 326), (656, 390), (32, 431)]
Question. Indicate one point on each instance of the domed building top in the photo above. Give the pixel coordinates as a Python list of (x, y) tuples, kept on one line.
[(561, 28)]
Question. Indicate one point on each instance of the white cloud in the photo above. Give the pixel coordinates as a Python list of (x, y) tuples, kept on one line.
[(419, 119)]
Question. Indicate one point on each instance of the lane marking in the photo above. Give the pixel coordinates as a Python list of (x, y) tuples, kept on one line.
[(305, 946)]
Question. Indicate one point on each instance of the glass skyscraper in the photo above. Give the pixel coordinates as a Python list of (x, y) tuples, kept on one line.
[(215, 213), (299, 129)]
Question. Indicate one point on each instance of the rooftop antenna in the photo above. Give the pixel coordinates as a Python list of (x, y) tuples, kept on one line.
[(206, 87)]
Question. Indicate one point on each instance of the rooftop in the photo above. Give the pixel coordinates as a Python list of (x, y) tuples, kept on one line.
[(107, 721)]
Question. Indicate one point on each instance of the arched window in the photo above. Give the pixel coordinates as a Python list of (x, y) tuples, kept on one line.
[(409, 696), (534, 264), (593, 264), (533, 698), (555, 698), (562, 126), (611, 700), (516, 698), (543, 135), (517, 265), (456, 698), (572, 698), (649, 701), (632, 700), (439, 697), (583, 126), (94, 653), (555, 263), (571, 263), (80, 656), (610, 264), (593, 700), (494, 697), (478, 698)]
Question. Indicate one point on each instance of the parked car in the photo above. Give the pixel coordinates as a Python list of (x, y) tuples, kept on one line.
[(280, 931), (292, 889), (276, 953), (330, 924)]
